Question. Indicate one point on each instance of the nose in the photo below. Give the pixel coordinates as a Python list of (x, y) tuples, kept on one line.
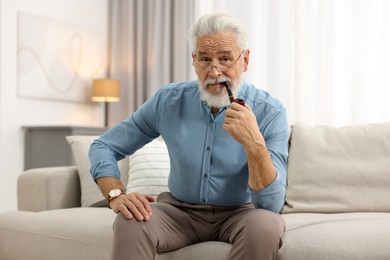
[(214, 71)]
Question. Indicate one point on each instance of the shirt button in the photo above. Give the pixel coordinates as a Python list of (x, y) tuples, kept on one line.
[(208, 148), (205, 175)]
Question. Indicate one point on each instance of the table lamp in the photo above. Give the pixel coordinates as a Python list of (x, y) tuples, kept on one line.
[(105, 90)]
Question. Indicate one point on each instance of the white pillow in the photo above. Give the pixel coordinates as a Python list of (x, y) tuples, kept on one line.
[(339, 169), (149, 169), (91, 195)]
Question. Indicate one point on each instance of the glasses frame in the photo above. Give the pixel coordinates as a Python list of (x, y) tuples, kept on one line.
[(197, 66)]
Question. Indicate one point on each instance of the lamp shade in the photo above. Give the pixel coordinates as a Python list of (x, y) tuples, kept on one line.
[(105, 90)]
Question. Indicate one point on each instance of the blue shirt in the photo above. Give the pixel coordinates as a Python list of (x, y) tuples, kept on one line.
[(207, 165)]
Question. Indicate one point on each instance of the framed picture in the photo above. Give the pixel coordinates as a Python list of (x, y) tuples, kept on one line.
[(58, 60)]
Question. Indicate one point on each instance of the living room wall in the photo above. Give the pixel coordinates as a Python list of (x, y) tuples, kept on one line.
[(16, 111)]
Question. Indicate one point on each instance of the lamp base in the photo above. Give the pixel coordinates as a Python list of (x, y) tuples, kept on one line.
[(106, 114)]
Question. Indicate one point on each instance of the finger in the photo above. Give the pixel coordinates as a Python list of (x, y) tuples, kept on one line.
[(146, 199), (228, 120), (138, 208), (233, 120), (132, 208), (237, 111), (234, 105), (145, 206), (231, 115), (125, 211), (150, 198)]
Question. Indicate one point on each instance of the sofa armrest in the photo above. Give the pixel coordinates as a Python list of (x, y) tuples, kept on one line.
[(49, 188)]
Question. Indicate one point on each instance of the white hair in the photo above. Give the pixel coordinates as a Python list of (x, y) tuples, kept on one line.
[(217, 23)]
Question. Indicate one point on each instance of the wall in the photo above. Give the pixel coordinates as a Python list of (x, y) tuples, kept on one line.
[(16, 112)]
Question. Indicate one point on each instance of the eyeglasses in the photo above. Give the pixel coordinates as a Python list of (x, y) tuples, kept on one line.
[(224, 63)]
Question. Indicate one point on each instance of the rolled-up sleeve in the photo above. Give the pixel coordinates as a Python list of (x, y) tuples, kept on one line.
[(276, 134), (271, 197)]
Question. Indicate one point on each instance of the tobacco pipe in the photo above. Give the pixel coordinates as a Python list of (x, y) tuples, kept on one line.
[(231, 96)]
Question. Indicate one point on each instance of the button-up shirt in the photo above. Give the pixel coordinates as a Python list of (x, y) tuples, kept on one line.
[(207, 165)]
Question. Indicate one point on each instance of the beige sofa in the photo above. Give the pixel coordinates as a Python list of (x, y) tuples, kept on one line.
[(337, 207)]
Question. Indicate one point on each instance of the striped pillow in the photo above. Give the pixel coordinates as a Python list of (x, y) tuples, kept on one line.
[(149, 169)]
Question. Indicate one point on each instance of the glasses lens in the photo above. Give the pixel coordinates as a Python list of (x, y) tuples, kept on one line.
[(221, 65)]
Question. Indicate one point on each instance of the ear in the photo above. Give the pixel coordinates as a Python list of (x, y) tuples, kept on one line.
[(246, 60)]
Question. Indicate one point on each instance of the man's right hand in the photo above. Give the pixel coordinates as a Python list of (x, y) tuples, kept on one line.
[(133, 205)]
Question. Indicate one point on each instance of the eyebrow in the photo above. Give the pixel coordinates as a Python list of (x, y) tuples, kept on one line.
[(219, 52)]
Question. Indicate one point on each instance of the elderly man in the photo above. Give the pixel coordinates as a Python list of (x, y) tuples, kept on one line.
[(228, 160)]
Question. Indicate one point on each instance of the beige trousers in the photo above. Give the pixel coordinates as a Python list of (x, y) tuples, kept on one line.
[(254, 233)]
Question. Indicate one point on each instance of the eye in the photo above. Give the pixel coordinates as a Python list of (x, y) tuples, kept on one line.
[(225, 59), (204, 59)]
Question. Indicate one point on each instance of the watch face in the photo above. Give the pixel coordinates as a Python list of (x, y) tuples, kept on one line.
[(114, 193)]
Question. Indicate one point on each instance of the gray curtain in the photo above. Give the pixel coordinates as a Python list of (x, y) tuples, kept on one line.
[(148, 48)]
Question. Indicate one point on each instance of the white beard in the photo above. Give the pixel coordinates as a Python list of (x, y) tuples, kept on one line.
[(221, 99)]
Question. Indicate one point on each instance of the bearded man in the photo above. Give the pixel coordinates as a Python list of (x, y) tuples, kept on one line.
[(228, 160)]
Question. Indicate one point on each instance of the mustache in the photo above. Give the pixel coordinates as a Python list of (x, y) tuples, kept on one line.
[(217, 80)]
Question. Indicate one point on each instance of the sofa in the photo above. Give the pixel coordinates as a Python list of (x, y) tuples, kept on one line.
[(337, 204)]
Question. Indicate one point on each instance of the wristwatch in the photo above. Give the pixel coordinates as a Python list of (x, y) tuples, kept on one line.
[(114, 194)]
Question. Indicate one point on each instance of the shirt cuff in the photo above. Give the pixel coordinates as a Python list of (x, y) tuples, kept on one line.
[(271, 197)]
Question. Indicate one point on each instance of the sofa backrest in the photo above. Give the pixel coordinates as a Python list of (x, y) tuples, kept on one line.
[(339, 169), (330, 169)]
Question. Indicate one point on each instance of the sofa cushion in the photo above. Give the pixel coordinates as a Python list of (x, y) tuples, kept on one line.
[(91, 195), (341, 236), (339, 169), (149, 169), (75, 233)]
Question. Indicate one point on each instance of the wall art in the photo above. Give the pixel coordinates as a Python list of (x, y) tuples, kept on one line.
[(58, 60)]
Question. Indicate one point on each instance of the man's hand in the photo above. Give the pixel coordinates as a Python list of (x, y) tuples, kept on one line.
[(133, 205), (130, 205), (241, 124)]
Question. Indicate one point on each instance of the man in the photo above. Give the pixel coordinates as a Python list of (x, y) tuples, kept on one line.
[(228, 161)]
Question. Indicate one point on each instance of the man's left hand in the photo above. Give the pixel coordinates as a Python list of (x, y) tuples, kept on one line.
[(240, 122)]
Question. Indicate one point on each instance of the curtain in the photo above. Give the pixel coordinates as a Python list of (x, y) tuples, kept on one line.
[(148, 49), (328, 61), (340, 61)]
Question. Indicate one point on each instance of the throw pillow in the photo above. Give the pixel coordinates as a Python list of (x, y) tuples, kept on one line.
[(149, 169), (91, 195), (339, 169)]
